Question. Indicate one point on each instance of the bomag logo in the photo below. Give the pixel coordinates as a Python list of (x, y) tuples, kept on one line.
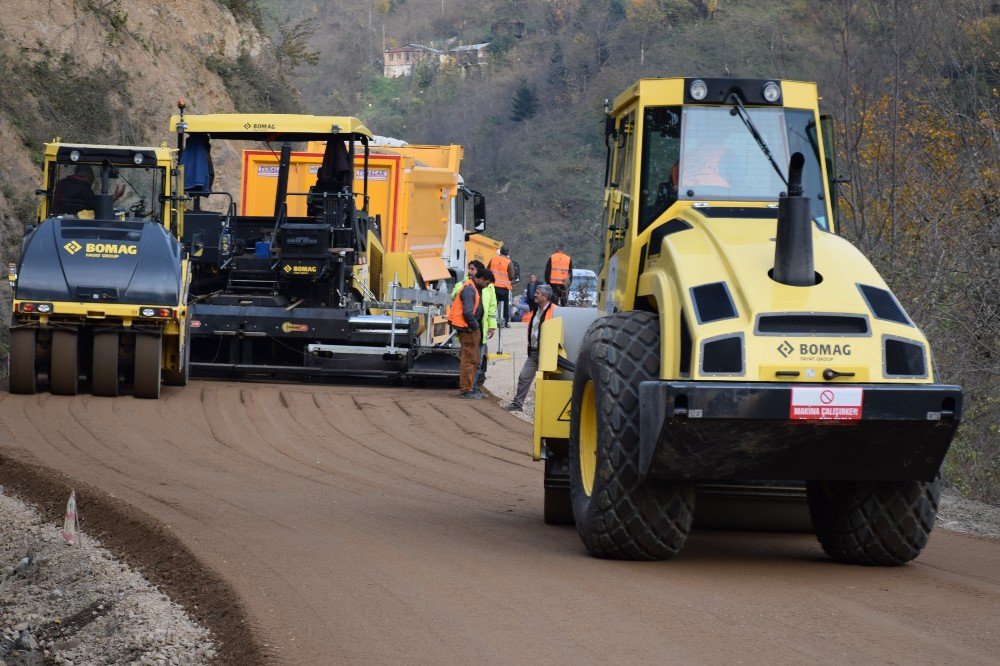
[(105, 250), (300, 270), (258, 126), (824, 350), (72, 247)]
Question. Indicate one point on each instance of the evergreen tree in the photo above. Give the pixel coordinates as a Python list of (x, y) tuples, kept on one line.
[(525, 104)]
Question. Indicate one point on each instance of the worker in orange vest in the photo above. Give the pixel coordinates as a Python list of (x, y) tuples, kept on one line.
[(544, 312), (503, 273), (558, 273), (464, 316)]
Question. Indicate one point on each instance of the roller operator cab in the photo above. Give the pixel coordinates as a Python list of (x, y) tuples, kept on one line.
[(738, 342), (100, 286)]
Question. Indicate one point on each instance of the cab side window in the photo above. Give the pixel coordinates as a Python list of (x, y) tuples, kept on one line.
[(661, 151)]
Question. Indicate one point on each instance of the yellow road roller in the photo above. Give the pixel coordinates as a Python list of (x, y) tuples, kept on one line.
[(740, 346), (100, 286)]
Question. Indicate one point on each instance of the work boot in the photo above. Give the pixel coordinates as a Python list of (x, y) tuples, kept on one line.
[(514, 407), (478, 395), (467, 395)]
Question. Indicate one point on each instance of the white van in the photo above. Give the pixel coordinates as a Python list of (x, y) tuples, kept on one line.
[(583, 289)]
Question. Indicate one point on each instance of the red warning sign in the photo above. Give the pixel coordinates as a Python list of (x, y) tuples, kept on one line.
[(826, 403)]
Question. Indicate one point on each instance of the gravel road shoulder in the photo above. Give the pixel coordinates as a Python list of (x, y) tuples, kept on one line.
[(175, 600), (78, 604)]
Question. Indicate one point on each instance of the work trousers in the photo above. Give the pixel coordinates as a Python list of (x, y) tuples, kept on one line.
[(559, 294), (468, 362), (503, 306), (525, 378), (480, 367)]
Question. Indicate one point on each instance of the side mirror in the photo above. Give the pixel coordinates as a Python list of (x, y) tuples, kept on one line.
[(609, 126)]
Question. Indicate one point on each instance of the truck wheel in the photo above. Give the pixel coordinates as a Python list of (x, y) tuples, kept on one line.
[(885, 523), (104, 371), (64, 368), (558, 508), (617, 515), (23, 375), (148, 366), (180, 376)]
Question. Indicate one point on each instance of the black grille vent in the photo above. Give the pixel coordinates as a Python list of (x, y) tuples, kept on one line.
[(812, 324), (722, 356), (685, 346), (712, 302), (904, 359), (883, 304)]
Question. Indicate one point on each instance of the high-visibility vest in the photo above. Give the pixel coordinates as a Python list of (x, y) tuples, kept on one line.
[(705, 172), (455, 316), (500, 265), (560, 268)]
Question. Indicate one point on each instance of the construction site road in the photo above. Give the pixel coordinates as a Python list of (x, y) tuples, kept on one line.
[(361, 524)]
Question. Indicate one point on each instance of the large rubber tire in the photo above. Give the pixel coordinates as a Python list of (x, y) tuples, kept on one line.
[(883, 523), (64, 368), (180, 376), (21, 364), (558, 507), (104, 369), (617, 515), (148, 366)]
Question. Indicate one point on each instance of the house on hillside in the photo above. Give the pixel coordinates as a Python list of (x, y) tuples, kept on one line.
[(402, 61), (469, 56)]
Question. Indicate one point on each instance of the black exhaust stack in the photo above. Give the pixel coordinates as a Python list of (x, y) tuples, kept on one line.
[(284, 163), (793, 252), (105, 208)]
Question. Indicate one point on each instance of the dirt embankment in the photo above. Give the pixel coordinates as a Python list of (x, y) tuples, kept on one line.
[(110, 72)]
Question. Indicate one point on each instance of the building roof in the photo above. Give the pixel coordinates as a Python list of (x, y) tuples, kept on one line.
[(470, 47), (410, 48)]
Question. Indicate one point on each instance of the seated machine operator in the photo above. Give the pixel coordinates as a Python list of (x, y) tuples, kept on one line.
[(75, 192)]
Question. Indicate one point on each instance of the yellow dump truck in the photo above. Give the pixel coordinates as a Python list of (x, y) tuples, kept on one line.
[(415, 192)]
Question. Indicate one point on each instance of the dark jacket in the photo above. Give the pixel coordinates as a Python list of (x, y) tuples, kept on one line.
[(72, 195), (529, 292), (470, 312)]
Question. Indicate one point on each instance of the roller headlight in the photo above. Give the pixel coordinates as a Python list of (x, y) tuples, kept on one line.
[(74, 156), (771, 92), (137, 158), (698, 90)]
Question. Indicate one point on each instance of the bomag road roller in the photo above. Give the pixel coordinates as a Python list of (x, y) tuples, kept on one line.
[(740, 346), (302, 291), (100, 287)]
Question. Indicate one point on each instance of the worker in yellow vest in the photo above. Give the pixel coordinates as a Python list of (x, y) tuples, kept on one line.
[(503, 273), (558, 273)]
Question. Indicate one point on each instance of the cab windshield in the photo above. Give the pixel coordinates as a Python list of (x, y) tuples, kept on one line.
[(706, 153), (75, 189)]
